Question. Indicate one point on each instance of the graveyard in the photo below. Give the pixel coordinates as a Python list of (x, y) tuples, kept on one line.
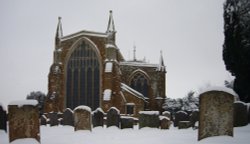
[(220, 119)]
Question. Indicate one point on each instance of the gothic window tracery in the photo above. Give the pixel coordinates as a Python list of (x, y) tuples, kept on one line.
[(83, 74), (140, 83)]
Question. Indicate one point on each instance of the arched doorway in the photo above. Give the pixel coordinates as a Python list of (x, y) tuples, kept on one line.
[(83, 75)]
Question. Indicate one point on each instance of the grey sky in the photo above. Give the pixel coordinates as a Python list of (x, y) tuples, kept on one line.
[(189, 32)]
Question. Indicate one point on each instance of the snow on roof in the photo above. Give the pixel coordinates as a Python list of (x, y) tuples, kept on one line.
[(110, 46), (21, 103), (141, 64), (107, 95), (82, 107), (149, 112), (108, 67), (224, 89), (132, 91), (84, 33), (25, 141)]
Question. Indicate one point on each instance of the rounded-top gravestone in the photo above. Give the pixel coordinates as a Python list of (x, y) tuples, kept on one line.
[(113, 117), (82, 118), (97, 118)]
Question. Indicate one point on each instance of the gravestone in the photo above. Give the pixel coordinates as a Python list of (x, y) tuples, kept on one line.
[(43, 120), (165, 122), (194, 117), (184, 124), (127, 122), (3, 119), (166, 114), (216, 113), (68, 117), (113, 117), (180, 116), (82, 118), (23, 120), (97, 119), (149, 119), (240, 114), (53, 119)]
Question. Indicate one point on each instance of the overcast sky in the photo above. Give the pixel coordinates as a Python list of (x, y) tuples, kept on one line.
[(189, 32)]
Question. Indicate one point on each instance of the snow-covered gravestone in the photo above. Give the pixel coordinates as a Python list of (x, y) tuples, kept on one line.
[(97, 118), (23, 120), (240, 114), (68, 117), (216, 112), (165, 122), (113, 117), (127, 122), (149, 119), (166, 114), (180, 116), (82, 118), (3, 118), (53, 119)]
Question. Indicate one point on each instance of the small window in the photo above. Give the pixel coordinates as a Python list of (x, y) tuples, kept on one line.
[(130, 109)]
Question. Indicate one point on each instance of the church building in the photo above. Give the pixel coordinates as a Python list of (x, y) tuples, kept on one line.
[(89, 69)]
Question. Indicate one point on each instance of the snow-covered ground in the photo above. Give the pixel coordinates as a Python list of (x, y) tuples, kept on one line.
[(113, 135)]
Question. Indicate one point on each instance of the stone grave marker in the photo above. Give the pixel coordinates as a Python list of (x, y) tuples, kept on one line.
[(97, 118), (3, 119), (127, 122), (166, 114), (113, 117), (43, 120), (216, 113), (194, 117), (240, 114), (184, 124), (68, 117), (149, 119), (53, 119), (180, 116), (165, 122), (82, 118), (23, 120)]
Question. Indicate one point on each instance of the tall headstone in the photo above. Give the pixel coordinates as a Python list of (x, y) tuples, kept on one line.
[(127, 122), (180, 116), (3, 119), (68, 117), (240, 114), (23, 120), (149, 119), (113, 117), (97, 118), (53, 119), (82, 118), (216, 113)]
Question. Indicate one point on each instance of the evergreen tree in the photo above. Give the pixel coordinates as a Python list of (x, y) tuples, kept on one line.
[(40, 97), (236, 48)]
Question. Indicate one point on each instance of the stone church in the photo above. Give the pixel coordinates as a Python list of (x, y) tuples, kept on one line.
[(89, 69)]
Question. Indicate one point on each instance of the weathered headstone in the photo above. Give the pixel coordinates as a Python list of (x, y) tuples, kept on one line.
[(184, 124), (23, 120), (165, 122), (82, 118), (149, 119), (43, 120), (194, 117), (68, 117), (113, 117), (240, 114), (3, 119), (216, 113), (166, 114), (180, 116), (53, 119), (97, 119), (127, 122)]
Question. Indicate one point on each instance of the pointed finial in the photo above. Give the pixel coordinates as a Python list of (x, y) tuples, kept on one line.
[(134, 52), (59, 32), (111, 24), (161, 64)]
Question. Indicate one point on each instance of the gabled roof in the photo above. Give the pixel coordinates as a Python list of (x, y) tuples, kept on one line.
[(84, 33)]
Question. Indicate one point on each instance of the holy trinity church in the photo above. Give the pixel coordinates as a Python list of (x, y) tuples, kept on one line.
[(88, 69)]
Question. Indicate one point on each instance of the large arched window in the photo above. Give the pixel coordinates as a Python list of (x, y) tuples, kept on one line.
[(140, 83), (83, 77)]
